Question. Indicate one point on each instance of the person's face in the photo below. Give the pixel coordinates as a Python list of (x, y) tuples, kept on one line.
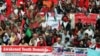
[(44, 6), (59, 40), (86, 35), (50, 34), (35, 35), (41, 39), (76, 36), (96, 31), (81, 42), (23, 41), (65, 32), (28, 2)]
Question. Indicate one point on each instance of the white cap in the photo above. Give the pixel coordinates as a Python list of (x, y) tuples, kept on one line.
[(6, 34), (21, 2), (16, 11)]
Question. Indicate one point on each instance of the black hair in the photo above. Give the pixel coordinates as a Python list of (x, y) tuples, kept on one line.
[(67, 39)]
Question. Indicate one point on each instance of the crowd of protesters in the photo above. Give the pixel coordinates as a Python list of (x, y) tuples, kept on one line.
[(21, 24)]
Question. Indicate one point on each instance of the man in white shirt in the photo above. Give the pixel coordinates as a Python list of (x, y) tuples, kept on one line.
[(67, 43), (89, 31), (64, 34), (2, 6), (34, 40), (58, 43)]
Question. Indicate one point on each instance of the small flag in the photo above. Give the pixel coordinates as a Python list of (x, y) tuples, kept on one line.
[(27, 21), (86, 4), (28, 32)]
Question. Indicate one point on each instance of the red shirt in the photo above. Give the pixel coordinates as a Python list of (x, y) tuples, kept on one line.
[(75, 42), (98, 45), (44, 10), (22, 24), (35, 25), (65, 19), (41, 44)]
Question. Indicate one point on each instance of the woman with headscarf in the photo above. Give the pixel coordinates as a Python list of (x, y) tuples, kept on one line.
[(6, 38)]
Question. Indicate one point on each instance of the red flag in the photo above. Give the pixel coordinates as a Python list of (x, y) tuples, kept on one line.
[(9, 6), (55, 2), (8, 2), (86, 4), (34, 1), (22, 24), (19, 2), (81, 3)]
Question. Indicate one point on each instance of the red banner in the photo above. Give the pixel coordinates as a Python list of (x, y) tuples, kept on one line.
[(91, 18), (41, 51), (26, 49)]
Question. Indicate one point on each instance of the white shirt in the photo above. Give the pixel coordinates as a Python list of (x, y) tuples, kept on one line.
[(43, 24), (98, 49), (72, 16), (64, 36), (59, 3), (65, 24), (90, 10), (67, 44), (97, 3), (5, 38), (89, 32), (19, 36), (57, 45), (93, 45), (36, 41), (16, 11), (2, 7), (80, 35)]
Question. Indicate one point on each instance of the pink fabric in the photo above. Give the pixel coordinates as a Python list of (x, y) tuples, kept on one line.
[(2, 17)]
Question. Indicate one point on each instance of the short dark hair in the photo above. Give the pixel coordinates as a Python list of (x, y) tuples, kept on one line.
[(67, 39)]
